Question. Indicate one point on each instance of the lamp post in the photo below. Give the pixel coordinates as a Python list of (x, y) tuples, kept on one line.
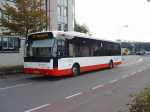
[(46, 13)]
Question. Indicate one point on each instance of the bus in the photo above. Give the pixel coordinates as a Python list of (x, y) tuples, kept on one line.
[(58, 53)]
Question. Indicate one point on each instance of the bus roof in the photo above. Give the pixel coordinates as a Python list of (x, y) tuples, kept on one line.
[(72, 34)]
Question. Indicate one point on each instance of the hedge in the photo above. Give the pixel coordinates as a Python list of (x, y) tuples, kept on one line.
[(141, 102)]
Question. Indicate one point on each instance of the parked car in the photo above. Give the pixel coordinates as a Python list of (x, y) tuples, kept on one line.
[(147, 52), (140, 52)]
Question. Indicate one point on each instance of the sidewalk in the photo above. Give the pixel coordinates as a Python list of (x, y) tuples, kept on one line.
[(11, 76)]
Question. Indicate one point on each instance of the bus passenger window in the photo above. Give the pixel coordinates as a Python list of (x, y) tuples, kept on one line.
[(71, 50)]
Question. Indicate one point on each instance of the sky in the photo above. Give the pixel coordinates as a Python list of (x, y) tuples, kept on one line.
[(115, 19)]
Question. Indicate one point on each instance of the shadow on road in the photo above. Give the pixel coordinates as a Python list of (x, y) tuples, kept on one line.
[(50, 78), (46, 78)]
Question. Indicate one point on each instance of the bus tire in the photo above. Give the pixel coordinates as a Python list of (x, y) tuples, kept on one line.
[(111, 65), (75, 70)]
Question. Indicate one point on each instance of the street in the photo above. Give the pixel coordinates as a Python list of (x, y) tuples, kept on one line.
[(108, 90)]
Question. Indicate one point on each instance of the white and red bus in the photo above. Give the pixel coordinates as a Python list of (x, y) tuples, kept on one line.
[(58, 53)]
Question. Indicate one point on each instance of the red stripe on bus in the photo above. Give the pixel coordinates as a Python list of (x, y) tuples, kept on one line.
[(48, 72), (93, 67), (66, 72)]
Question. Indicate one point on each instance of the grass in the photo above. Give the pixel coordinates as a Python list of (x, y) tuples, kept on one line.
[(141, 102)]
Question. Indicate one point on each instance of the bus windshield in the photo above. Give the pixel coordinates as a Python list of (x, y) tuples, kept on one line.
[(40, 48)]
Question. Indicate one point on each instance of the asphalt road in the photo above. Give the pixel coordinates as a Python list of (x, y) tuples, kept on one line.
[(99, 91)]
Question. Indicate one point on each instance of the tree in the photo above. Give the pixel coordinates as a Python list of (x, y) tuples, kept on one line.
[(81, 28), (24, 17)]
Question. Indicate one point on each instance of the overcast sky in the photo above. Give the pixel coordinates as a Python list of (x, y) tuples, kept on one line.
[(116, 19)]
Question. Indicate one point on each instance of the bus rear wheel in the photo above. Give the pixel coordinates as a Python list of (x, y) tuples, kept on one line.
[(111, 65), (75, 70)]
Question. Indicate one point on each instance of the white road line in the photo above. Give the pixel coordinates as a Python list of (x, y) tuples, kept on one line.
[(74, 95), (125, 76), (37, 108), (145, 69), (140, 60), (18, 85), (98, 86), (113, 81), (133, 73)]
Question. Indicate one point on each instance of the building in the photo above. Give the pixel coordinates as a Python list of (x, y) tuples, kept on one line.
[(60, 14), (134, 47), (11, 47)]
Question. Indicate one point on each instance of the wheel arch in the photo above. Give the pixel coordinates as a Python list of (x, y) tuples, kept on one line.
[(76, 64)]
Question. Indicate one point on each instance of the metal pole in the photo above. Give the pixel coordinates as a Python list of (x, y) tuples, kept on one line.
[(46, 14)]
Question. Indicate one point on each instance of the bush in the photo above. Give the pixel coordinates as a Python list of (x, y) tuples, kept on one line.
[(141, 102)]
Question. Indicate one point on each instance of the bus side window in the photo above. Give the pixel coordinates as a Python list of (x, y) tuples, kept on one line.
[(71, 50)]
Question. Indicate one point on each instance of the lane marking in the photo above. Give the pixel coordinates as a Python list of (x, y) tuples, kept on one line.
[(74, 95), (144, 69), (140, 60), (125, 76), (113, 81), (18, 85), (133, 73), (98, 86), (37, 108)]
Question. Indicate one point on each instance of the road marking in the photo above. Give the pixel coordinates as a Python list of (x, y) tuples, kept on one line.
[(140, 60), (37, 108), (74, 95), (18, 85), (133, 73), (98, 86), (125, 76), (144, 69), (113, 81)]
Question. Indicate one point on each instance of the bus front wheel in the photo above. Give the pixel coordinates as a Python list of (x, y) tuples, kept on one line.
[(75, 70)]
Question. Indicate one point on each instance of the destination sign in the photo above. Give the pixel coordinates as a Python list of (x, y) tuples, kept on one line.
[(40, 36)]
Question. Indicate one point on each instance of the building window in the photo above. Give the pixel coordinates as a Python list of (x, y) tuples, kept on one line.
[(59, 2), (65, 2), (9, 44), (65, 27), (59, 11), (59, 27), (5, 43), (65, 11)]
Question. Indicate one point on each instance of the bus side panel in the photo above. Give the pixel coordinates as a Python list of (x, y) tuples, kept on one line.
[(65, 65), (88, 63)]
